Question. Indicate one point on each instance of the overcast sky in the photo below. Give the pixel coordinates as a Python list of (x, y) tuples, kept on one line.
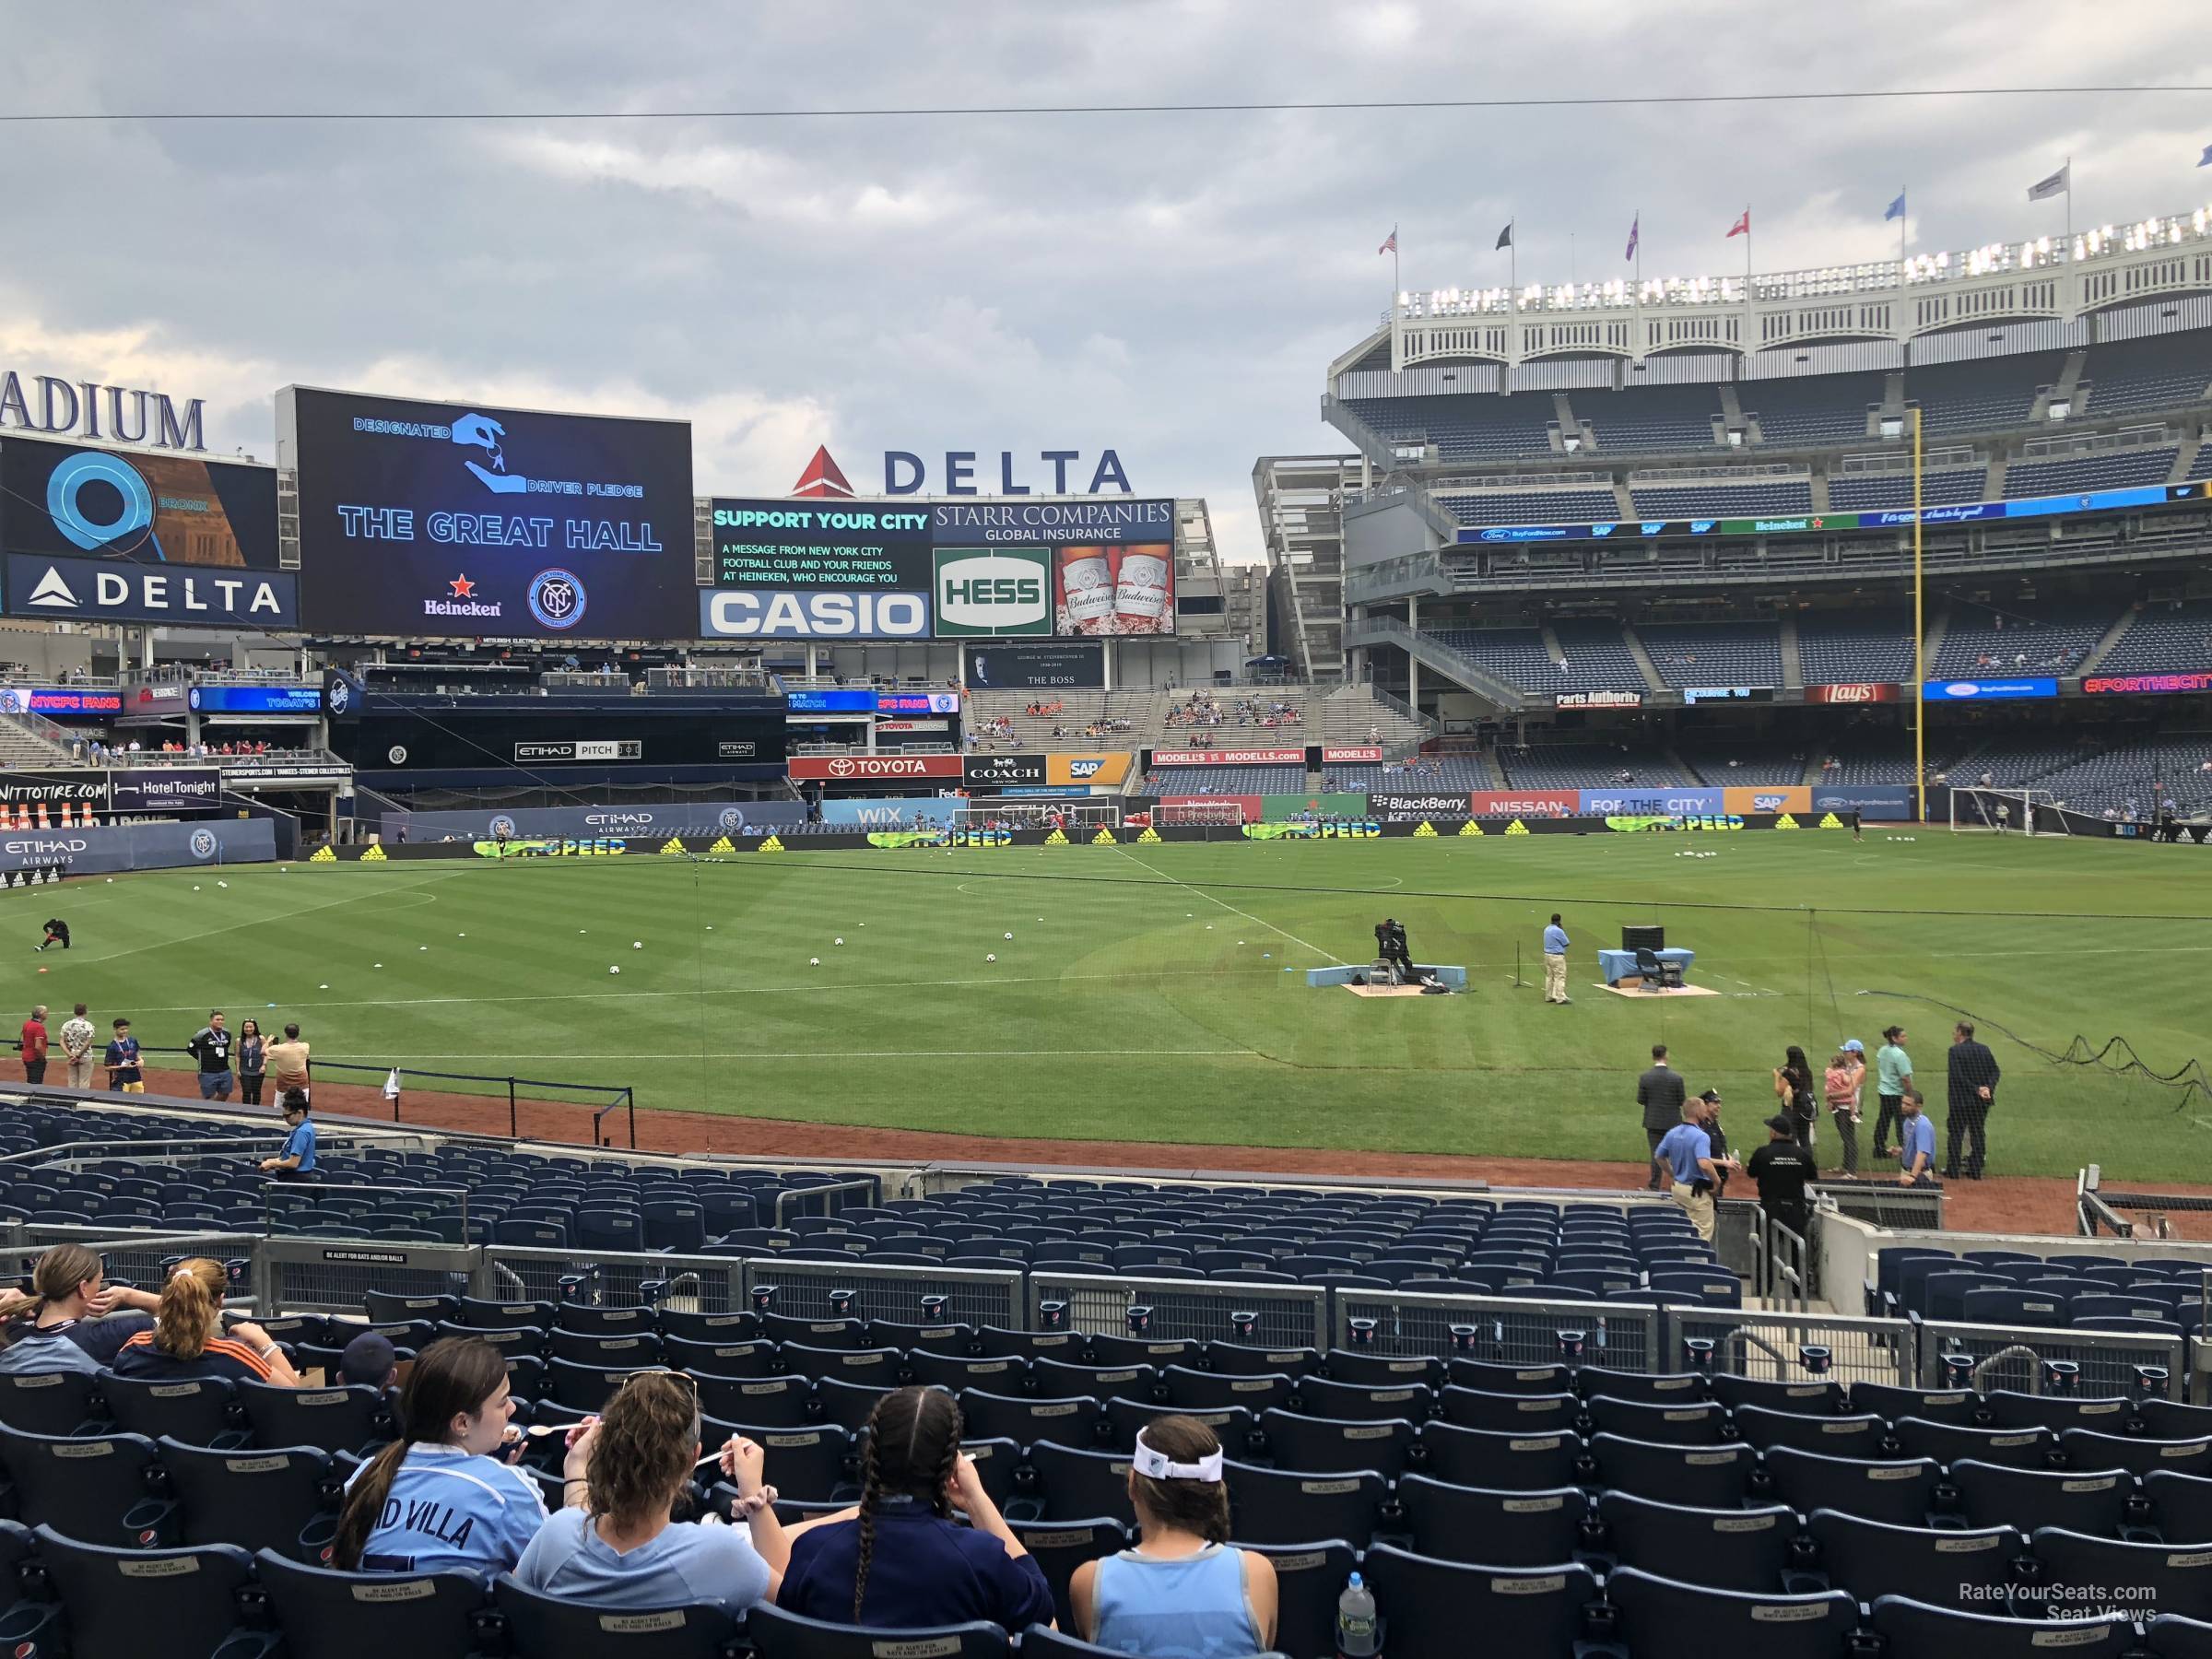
[(1172, 285)]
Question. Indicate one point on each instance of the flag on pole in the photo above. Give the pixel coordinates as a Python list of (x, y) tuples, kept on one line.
[(392, 1085), (1742, 225), (1896, 209), (1505, 236), (1390, 242), (1635, 230), (2205, 159), (2058, 184)]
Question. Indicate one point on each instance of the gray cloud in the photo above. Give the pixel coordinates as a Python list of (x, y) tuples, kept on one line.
[(1169, 285)]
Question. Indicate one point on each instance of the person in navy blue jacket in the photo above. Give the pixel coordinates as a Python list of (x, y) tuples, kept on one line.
[(897, 1558)]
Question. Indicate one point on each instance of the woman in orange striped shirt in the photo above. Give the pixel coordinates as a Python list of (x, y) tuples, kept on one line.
[(188, 1338)]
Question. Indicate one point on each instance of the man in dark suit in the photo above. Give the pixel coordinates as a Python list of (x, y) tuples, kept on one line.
[(1973, 1091), (1660, 1092)]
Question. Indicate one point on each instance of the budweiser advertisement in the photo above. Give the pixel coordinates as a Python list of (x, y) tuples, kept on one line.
[(873, 768), (1598, 700), (1527, 802), (1331, 757), (1292, 756), (1857, 692)]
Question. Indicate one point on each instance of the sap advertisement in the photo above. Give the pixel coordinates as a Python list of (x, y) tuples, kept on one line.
[(1990, 691), (470, 521)]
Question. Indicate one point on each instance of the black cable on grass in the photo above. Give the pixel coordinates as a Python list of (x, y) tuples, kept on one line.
[(2117, 1057)]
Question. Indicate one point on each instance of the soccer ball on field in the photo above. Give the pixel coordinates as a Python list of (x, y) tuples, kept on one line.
[(612, 969), (837, 941), (1009, 935), (637, 943), (814, 962), (988, 956)]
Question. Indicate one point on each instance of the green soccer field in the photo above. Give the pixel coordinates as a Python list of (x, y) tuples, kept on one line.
[(1156, 994)]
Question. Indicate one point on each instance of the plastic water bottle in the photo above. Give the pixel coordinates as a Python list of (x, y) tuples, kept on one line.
[(1357, 1636)]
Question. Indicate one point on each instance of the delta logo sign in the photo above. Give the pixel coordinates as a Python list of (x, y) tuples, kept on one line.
[(905, 473)]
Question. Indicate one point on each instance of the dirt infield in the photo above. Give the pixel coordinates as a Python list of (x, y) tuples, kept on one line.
[(2017, 1204)]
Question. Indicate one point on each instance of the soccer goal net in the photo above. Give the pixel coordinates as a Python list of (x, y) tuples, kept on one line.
[(1199, 812), (2005, 811), (1035, 815)]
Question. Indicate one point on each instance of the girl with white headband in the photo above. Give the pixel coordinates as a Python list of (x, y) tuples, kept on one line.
[(1182, 1592)]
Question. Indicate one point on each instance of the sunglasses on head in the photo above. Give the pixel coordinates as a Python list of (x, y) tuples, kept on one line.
[(686, 1378)]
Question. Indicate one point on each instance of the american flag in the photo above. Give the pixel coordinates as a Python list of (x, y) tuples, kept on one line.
[(1390, 242)]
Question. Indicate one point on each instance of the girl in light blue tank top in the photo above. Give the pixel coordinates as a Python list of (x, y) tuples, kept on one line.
[(1183, 1593)]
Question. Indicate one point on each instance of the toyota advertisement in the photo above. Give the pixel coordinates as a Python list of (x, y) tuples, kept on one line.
[(461, 520), (874, 769)]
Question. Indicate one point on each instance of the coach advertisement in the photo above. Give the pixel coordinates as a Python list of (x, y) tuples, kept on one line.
[(1655, 803), (67, 499), (1002, 771), (462, 521)]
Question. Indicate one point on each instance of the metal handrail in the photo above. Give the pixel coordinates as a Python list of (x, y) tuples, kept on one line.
[(865, 1186)]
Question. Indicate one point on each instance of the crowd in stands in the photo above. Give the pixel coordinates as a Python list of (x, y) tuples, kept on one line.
[(1110, 725), (999, 729), (1056, 707), (1201, 709)]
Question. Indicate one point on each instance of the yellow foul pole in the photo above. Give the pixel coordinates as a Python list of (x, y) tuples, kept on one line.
[(1920, 673)]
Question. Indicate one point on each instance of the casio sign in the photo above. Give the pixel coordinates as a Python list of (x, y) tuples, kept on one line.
[(748, 612)]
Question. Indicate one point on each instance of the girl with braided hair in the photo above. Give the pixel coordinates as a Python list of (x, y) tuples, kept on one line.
[(898, 1559), (616, 1546), (1182, 1592)]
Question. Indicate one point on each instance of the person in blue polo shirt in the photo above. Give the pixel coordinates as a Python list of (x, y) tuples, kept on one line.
[(297, 1161), (1686, 1152), (1916, 1142), (1555, 962)]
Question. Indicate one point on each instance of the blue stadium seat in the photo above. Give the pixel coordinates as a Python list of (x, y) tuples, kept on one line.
[(185, 1601), (1502, 1461), (1727, 1548), (1323, 1446), (283, 1500), (1506, 1414), (781, 1635), (2084, 1500), (1948, 1442), (2085, 1449), (1661, 1619), (1431, 1606), (1911, 1629), (1902, 1493), (1945, 1569), (2169, 1636), (99, 1490), (1495, 1528)]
